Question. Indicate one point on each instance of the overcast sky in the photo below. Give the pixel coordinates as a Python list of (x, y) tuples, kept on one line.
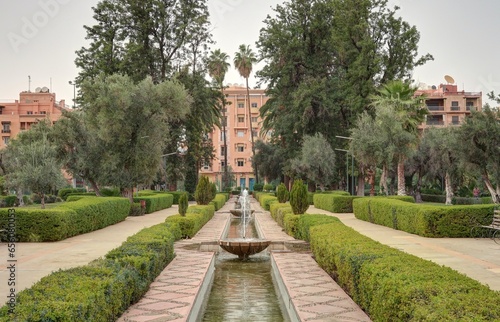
[(38, 38)]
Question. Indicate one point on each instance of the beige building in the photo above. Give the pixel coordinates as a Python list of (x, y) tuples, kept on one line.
[(31, 107), (448, 106), (238, 137)]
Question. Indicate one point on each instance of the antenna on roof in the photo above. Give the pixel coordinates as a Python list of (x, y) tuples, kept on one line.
[(29, 83), (449, 79)]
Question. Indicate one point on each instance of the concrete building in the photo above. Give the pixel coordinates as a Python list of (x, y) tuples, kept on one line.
[(448, 106), (19, 115), (238, 137)]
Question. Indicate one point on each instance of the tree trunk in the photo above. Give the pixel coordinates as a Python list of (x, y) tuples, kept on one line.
[(225, 177), (371, 173), (418, 195), (95, 187), (495, 195), (43, 200), (384, 190), (128, 193), (401, 177), (361, 182), (256, 172), (311, 186), (287, 182), (20, 197), (448, 188)]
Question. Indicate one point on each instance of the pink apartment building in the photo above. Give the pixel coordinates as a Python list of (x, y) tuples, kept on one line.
[(238, 137), (448, 106), (31, 107)]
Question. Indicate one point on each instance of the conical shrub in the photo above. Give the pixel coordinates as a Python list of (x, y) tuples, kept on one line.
[(183, 204), (298, 197), (203, 193), (282, 193)]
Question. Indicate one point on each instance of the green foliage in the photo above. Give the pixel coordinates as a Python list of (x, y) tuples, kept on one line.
[(68, 219), (136, 209), (269, 187), (258, 187), (390, 285), (304, 224), (183, 204), (282, 193), (204, 193), (266, 200), (334, 203), (110, 192), (78, 197), (195, 218), (218, 201), (423, 220), (156, 202), (8, 201), (298, 197), (64, 192)]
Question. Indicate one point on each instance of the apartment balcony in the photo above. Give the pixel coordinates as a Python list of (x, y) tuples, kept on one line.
[(434, 123), (435, 108), (471, 108), (5, 131)]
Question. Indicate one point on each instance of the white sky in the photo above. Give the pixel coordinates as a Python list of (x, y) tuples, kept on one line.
[(460, 34)]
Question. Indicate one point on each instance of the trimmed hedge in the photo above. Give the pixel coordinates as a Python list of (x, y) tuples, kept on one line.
[(391, 285), (63, 193), (266, 200), (310, 195), (156, 202), (219, 201), (68, 219), (78, 197), (423, 220), (103, 289), (334, 203), (196, 217)]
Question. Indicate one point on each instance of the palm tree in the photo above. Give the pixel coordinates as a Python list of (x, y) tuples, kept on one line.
[(217, 68), (400, 97), (243, 62)]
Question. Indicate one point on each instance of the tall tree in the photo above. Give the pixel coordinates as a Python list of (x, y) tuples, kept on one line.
[(243, 62), (479, 147), (399, 97), (218, 66), (32, 163), (316, 161), (130, 122), (323, 60)]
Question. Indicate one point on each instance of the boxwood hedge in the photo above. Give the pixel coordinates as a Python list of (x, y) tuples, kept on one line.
[(155, 202)]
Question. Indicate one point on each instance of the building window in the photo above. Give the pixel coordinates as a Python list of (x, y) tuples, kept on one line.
[(6, 127), (222, 150), (241, 118), (224, 121), (6, 140), (222, 164), (240, 162), (43, 112), (241, 105), (29, 112), (254, 104), (240, 148), (255, 132), (222, 135), (206, 165), (240, 134), (455, 106), (255, 119), (455, 120)]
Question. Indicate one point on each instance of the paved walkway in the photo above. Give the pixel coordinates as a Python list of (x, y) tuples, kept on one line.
[(477, 258), (36, 260)]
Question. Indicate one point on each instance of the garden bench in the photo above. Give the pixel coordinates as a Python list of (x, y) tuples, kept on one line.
[(492, 230)]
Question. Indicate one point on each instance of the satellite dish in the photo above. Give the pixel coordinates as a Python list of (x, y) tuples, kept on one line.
[(38, 90), (45, 89), (449, 79)]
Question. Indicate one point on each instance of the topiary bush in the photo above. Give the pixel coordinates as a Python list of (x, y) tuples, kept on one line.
[(183, 204), (282, 193), (258, 187), (298, 197), (204, 193), (268, 187)]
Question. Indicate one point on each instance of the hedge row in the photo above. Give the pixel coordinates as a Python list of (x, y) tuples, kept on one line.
[(63, 193), (338, 203), (423, 220), (196, 217), (219, 200), (103, 289), (457, 200), (156, 202), (68, 219), (310, 195), (391, 285)]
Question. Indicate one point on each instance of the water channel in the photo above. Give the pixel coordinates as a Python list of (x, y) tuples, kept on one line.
[(243, 289)]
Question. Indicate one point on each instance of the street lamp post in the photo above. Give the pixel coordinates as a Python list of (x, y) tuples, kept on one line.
[(74, 92), (346, 167), (352, 161)]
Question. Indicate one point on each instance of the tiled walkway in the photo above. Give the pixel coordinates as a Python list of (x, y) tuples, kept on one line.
[(177, 294)]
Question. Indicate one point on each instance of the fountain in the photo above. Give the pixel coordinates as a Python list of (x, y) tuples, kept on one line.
[(243, 246)]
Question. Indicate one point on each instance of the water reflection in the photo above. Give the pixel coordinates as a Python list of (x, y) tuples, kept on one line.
[(243, 291)]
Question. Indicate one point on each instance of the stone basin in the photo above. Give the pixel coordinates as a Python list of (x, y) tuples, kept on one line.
[(238, 212), (244, 247)]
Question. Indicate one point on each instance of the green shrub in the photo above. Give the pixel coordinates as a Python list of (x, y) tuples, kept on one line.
[(196, 217), (282, 193), (218, 201), (8, 201), (37, 199), (183, 204), (71, 198), (433, 198), (334, 203), (298, 197), (136, 209), (110, 192), (307, 221), (269, 187), (391, 285), (258, 187), (274, 207), (63, 193), (203, 194), (178, 194), (266, 201), (423, 220), (156, 202)]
